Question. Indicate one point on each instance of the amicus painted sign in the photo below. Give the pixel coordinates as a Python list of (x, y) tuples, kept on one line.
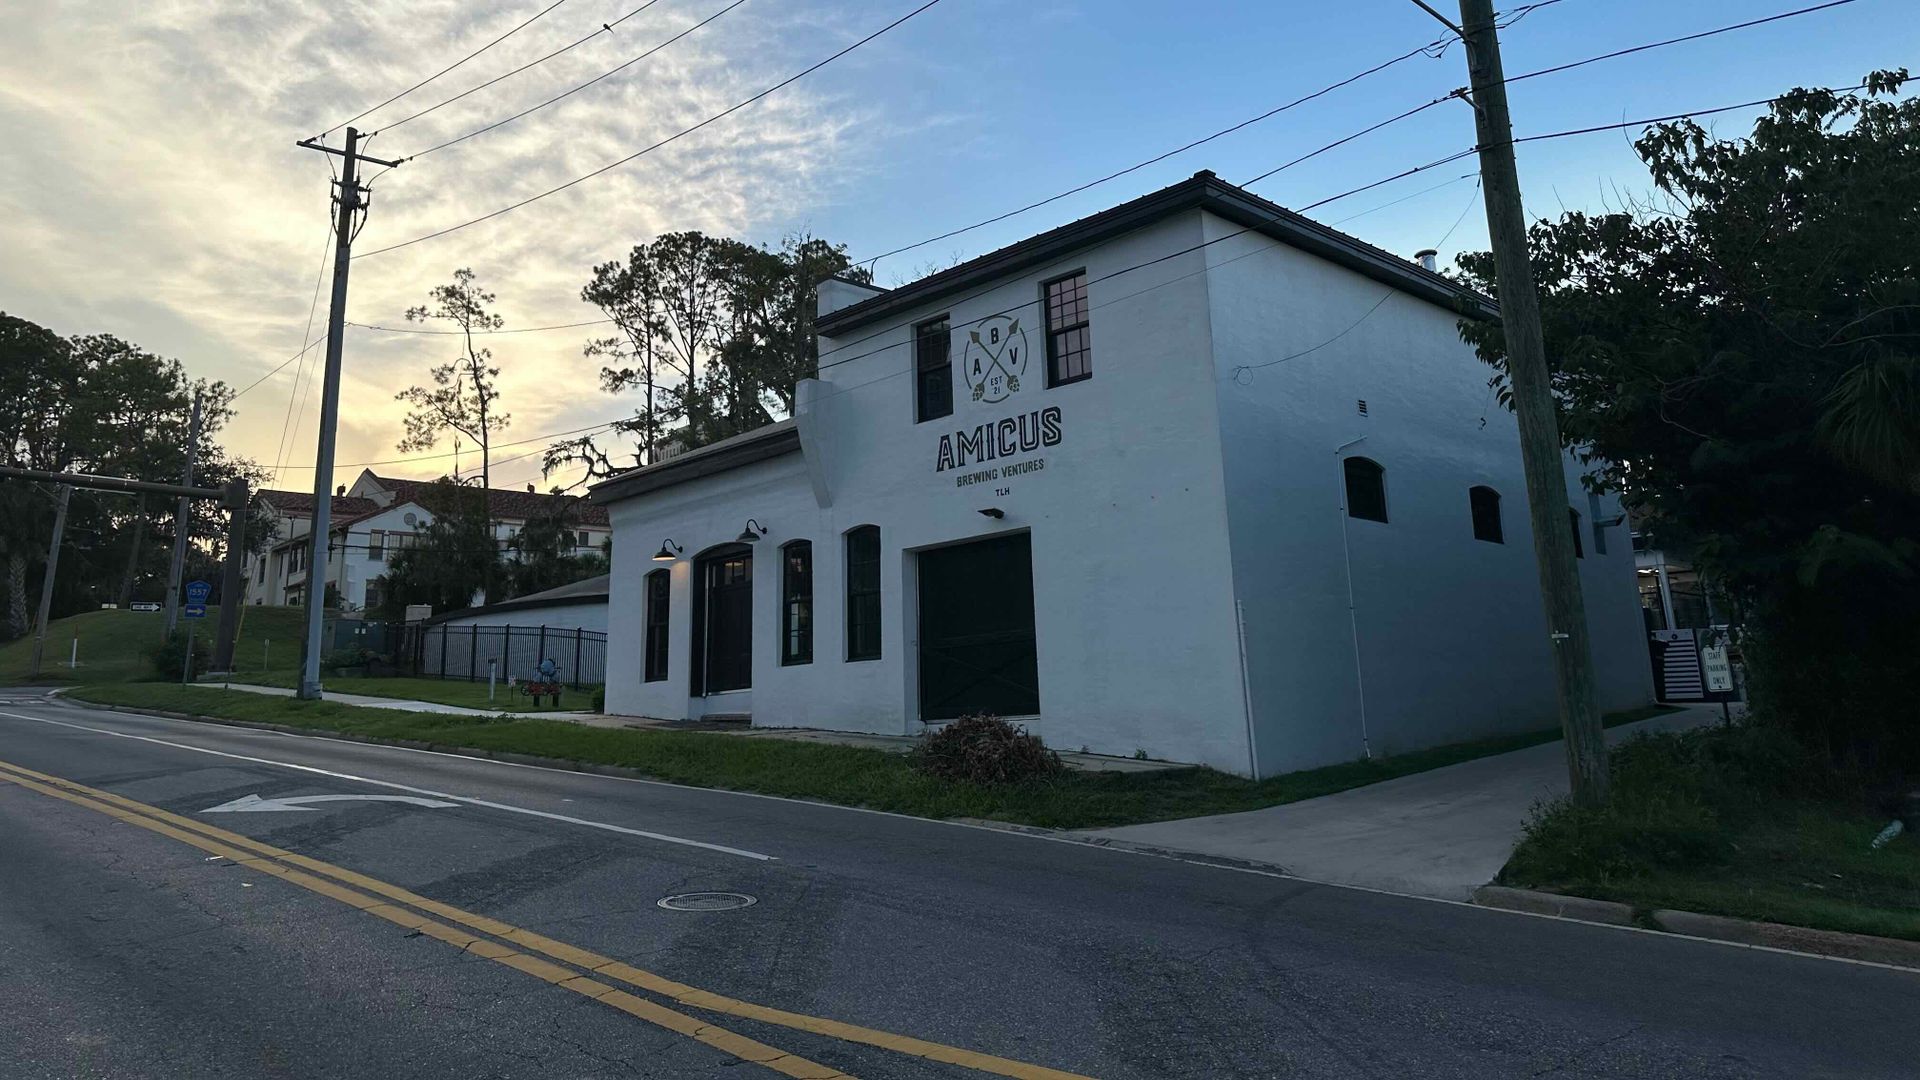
[(1006, 437)]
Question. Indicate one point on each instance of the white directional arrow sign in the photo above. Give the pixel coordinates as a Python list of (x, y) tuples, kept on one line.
[(256, 804)]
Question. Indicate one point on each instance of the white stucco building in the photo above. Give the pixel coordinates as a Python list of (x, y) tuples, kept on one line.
[(1120, 480)]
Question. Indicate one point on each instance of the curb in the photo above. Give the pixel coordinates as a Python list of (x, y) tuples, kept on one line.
[(1892, 952)]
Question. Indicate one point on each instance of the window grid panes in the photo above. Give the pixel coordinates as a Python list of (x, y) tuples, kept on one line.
[(1486, 515), (796, 603), (659, 589), (1366, 489), (933, 370), (1069, 343), (863, 593)]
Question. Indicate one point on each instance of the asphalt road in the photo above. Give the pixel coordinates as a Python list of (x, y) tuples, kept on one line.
[(132, 945)]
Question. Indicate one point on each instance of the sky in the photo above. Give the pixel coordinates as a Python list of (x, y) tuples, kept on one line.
[(151, 186)]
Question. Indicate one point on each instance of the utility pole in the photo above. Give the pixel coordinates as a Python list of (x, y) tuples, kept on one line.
[(351, 197), (46, 582), (182, 524), (1533, 404)]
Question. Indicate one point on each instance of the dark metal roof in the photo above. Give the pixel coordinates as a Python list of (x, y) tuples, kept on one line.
[(760, 444), (591, 590), (502, 503), (1204, 191)]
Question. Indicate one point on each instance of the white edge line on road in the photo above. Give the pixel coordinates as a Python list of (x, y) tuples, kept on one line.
[(1056, 838), (663, 837)]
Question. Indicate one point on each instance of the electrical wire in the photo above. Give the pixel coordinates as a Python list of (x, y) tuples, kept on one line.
[(605, 28), (494, 446), (575, 90), (1679, 40), (788, 81), (516, 330), (1429, 49), (442, 71)]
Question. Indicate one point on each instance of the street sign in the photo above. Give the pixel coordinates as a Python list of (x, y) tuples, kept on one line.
[(194, 611), (1717, 669), (144, 605), (198, 591)]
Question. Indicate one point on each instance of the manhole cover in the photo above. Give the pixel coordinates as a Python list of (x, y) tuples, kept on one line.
[(706, 901)]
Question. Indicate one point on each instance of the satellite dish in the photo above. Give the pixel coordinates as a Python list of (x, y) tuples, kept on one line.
[(412, 521)]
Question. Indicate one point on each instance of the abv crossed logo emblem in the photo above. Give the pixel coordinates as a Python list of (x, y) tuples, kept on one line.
[(995, 358)]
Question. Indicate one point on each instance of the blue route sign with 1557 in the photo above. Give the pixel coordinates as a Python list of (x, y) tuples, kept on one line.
[(197, 593)]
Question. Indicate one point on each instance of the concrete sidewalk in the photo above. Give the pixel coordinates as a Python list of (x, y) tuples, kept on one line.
[(403, 704), (1441, 833)]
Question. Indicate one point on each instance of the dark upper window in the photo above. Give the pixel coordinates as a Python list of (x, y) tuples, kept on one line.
[(863, 593), (1069, 348), (1366, 488), (377, 545), (1573, 522), (659, 589), (796, 603), (1486, 514), (932, 370)]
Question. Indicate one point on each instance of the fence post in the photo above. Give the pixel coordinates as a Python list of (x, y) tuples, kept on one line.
[(473, 650), (576, 658), (541, 652), (506, 648), (443, 650)]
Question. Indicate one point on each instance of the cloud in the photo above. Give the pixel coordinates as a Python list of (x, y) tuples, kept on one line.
[(153, 189)]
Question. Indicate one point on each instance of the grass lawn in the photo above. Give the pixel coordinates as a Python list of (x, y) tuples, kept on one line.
[(472, 695), (1730, 822), (851, 776), (114, 646)]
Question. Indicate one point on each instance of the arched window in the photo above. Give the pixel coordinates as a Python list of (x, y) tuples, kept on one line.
[(1485, 503), (863, 593), (1366, 488), (1573, 522), (796, 602), (659, 589)]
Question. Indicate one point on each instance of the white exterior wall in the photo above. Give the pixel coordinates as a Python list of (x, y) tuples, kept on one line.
[(1452, 633), (1136, 639)]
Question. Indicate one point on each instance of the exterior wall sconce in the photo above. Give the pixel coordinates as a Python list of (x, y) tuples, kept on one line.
[(994, 512), (669, 551), (752, 532)]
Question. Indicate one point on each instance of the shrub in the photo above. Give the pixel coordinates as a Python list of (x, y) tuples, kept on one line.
[(599, 699), (169, 656), (985, 750), (355, 655)]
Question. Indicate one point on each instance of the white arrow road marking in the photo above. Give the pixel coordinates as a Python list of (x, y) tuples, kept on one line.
[(662, 837), (256, 804)]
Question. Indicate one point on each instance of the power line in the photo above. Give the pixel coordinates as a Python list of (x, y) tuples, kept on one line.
[(516, 330), (1406, 198), (577, 89), (496, 446), (442, 71), (1428, 49), (1676, 41), (1682, 115), (605, 28), (790, 80)]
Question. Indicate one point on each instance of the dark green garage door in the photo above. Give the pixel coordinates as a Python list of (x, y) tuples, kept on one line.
[(976, 630)]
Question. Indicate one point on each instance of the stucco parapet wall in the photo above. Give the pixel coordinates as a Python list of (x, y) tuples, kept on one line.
[(1203, 191), (761, 444)]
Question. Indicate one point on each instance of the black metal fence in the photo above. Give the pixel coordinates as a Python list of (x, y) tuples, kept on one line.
[(440, 651)]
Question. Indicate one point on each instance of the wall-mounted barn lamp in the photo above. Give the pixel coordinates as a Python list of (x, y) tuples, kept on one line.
[(752, 532), (994, 512), (669, 551)]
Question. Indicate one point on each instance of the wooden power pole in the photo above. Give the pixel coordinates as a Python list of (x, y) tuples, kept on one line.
[(46, 581), (351, 199), (1533, 404)]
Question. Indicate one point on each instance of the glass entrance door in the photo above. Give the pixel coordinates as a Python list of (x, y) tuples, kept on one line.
[(724, 612)]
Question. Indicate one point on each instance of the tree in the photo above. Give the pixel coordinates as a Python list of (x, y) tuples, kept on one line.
[(544, 552), (448, 560), (465, 390), (1742, 360), (714, 332)]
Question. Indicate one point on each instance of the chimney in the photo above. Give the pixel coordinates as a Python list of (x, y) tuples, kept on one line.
[(1428, 260), (340, 491), (529, 487)]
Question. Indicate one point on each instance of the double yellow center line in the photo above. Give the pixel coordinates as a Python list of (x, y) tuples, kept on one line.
[(410, 911)]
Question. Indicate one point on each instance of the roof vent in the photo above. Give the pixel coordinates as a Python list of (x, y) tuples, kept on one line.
[(1428, 259)]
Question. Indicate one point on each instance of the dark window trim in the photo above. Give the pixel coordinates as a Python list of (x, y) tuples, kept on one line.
[(790, 656), (851, 596), (650, 644), (1499, 529), (1046, 327), (1378, 472), (920, 369)]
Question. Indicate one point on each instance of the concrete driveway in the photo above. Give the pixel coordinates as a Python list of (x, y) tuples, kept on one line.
[(1441, 833)]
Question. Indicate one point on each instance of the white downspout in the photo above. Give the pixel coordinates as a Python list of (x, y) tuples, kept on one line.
[(1353, 617), (1246, 694)]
